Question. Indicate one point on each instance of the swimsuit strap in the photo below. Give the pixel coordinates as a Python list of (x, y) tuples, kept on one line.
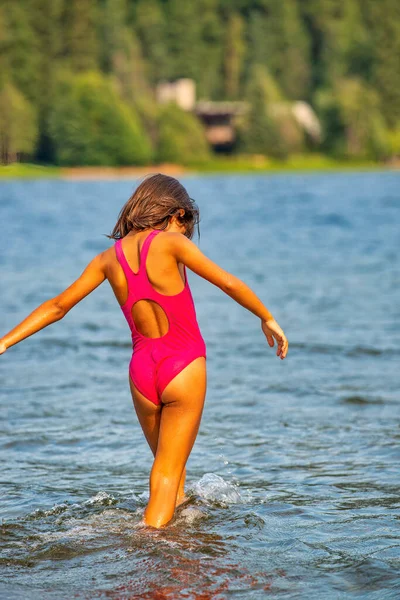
[(122, 260), (145, 250), (129, 273)]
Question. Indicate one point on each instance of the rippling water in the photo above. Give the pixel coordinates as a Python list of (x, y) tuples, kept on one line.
[(294, 477)]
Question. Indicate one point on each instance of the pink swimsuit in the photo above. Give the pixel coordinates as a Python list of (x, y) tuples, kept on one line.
[(156, 361)]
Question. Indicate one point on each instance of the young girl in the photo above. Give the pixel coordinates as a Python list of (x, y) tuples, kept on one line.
[(146, 268)]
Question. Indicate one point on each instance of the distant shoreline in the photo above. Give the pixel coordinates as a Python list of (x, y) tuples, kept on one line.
[(96, 173), (234, 165)]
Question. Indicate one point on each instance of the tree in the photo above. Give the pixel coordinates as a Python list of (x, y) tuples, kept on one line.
[(90, 125), (112, 28), (233, 55), (260, 133), (150, 24), (45, 18), (353, 124), (4, 47), (277, 39), (181, 137), (23, 56), (18, 126), (340, 40), (183, 27), (394, 142), (80, 47), (129, 70), (210, 84), (383, 20)]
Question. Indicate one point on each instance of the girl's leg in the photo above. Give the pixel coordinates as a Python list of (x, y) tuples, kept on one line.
[(149, 415), (183, 400)]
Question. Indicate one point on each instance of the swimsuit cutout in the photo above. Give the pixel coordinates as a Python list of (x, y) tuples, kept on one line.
[(156, 361)]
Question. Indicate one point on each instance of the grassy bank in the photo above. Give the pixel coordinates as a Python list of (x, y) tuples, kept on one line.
[(219, 164), (295, 163), (28, 171)]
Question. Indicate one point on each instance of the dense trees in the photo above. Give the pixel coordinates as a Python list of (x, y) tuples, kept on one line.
[(77, 77), (90, 125), (18, 125), (260, 131), (278, 39), (353, 122), (181, 137)]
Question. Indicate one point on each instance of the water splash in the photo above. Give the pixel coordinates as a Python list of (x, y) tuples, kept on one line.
[(101, 498), (213, 488)]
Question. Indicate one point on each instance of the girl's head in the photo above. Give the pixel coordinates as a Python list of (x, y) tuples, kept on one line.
[(153, 204)]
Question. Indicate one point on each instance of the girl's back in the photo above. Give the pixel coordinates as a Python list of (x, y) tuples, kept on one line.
[(164, 273)]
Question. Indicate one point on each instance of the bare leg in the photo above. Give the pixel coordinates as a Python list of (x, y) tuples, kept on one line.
[(183, 401), (149, 415)]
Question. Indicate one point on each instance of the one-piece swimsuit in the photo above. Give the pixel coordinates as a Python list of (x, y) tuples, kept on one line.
[(156, 361)]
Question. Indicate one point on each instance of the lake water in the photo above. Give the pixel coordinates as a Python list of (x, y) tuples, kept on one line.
[(294, 477)]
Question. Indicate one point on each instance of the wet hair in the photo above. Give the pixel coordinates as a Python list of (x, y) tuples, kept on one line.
[(153, 203)]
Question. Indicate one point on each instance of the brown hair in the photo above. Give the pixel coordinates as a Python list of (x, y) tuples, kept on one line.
[(153, 203)]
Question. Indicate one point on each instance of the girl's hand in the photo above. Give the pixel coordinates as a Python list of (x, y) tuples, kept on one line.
[(3, 347), (272, 330)]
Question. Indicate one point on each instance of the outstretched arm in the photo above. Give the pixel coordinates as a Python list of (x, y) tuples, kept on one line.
[(188, 253), (56, 308)]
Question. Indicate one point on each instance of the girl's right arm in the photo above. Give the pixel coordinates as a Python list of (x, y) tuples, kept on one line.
[(185, 251)]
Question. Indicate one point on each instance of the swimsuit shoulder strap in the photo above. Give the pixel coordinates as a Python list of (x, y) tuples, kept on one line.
[(122, 260), (129, 273), (145, 250)]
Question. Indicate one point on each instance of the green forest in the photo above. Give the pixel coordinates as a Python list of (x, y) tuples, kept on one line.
[(78, 78)]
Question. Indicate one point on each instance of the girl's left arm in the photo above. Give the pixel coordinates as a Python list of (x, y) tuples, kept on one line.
[(56, 308)]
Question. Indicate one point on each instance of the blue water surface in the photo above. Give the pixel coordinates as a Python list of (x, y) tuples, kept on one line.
[(294, 477)]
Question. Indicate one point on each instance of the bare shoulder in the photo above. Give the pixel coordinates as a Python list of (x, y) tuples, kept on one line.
[(106, 258), (170, 235), (185, 251), (107, 255), (174, 240)]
